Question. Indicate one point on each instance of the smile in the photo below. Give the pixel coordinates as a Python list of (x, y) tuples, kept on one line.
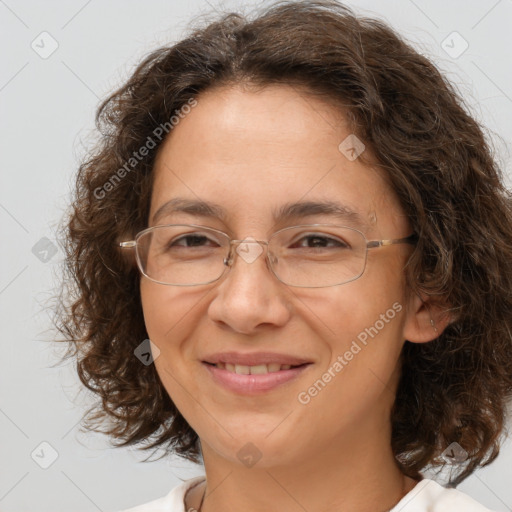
[(255, 379), (253, 370)]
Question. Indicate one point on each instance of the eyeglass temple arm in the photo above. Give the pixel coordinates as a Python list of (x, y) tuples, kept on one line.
[(411, 239)]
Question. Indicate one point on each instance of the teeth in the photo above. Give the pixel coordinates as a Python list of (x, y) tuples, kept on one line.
[(253, 370), (261, 368), (242, 370)]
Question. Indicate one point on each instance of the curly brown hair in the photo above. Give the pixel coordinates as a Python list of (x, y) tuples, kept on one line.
[(435, 156)]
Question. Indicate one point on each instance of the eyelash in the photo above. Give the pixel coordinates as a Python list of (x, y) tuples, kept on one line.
[(304, 237)]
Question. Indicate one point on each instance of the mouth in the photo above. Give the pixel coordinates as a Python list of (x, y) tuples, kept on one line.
[(255, 379), (259, 369)]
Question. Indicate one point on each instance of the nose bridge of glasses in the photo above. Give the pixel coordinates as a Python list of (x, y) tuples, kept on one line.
[(249, 249)]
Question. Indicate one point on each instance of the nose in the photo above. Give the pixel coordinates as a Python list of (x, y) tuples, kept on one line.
[(250, 296)]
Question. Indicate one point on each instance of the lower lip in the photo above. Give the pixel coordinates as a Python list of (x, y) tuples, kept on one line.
[(253, 384)]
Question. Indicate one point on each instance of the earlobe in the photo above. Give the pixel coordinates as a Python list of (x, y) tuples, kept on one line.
[(425, 321)]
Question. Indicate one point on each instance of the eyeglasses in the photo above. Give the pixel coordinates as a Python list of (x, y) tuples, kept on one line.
[(308, 256)]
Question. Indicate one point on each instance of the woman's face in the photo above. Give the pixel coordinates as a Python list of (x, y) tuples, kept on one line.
[(251, 153)]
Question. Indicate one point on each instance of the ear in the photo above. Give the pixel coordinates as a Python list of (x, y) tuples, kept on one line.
[(424, 320)]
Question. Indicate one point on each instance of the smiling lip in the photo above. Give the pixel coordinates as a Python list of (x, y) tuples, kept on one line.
[(253, 384), (254, 359)]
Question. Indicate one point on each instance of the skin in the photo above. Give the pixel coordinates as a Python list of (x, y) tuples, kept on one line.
[(252, 151)]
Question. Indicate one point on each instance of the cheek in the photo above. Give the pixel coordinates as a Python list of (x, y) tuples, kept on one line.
[(171, 315), (358, 378), (166, 311), (366, 320), (157, 313), (359, 304), (168, 316), (165, 317)]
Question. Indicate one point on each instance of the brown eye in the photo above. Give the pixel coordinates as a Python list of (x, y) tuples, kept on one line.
[(321, 241), (189, 241)]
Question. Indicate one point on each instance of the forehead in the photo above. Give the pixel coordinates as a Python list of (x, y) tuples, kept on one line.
[(254, 151)]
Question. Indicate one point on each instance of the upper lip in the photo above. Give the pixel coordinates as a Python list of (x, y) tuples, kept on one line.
[(254, 358)]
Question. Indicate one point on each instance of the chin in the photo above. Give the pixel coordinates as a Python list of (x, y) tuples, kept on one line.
[(256, 448)]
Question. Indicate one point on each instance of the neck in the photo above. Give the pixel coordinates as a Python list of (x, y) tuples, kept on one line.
[(359, 475)]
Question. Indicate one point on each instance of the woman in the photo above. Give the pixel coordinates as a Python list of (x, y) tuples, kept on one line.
[(300, 215)]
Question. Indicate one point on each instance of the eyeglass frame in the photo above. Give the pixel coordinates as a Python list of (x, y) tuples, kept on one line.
[(229, 259)]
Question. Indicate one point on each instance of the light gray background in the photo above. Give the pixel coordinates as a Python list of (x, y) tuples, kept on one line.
[(46, 111)]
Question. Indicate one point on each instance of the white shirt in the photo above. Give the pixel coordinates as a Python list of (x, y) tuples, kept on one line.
[(426, 496)]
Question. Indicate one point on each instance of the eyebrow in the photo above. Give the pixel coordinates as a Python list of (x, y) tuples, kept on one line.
[(286, 212)]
